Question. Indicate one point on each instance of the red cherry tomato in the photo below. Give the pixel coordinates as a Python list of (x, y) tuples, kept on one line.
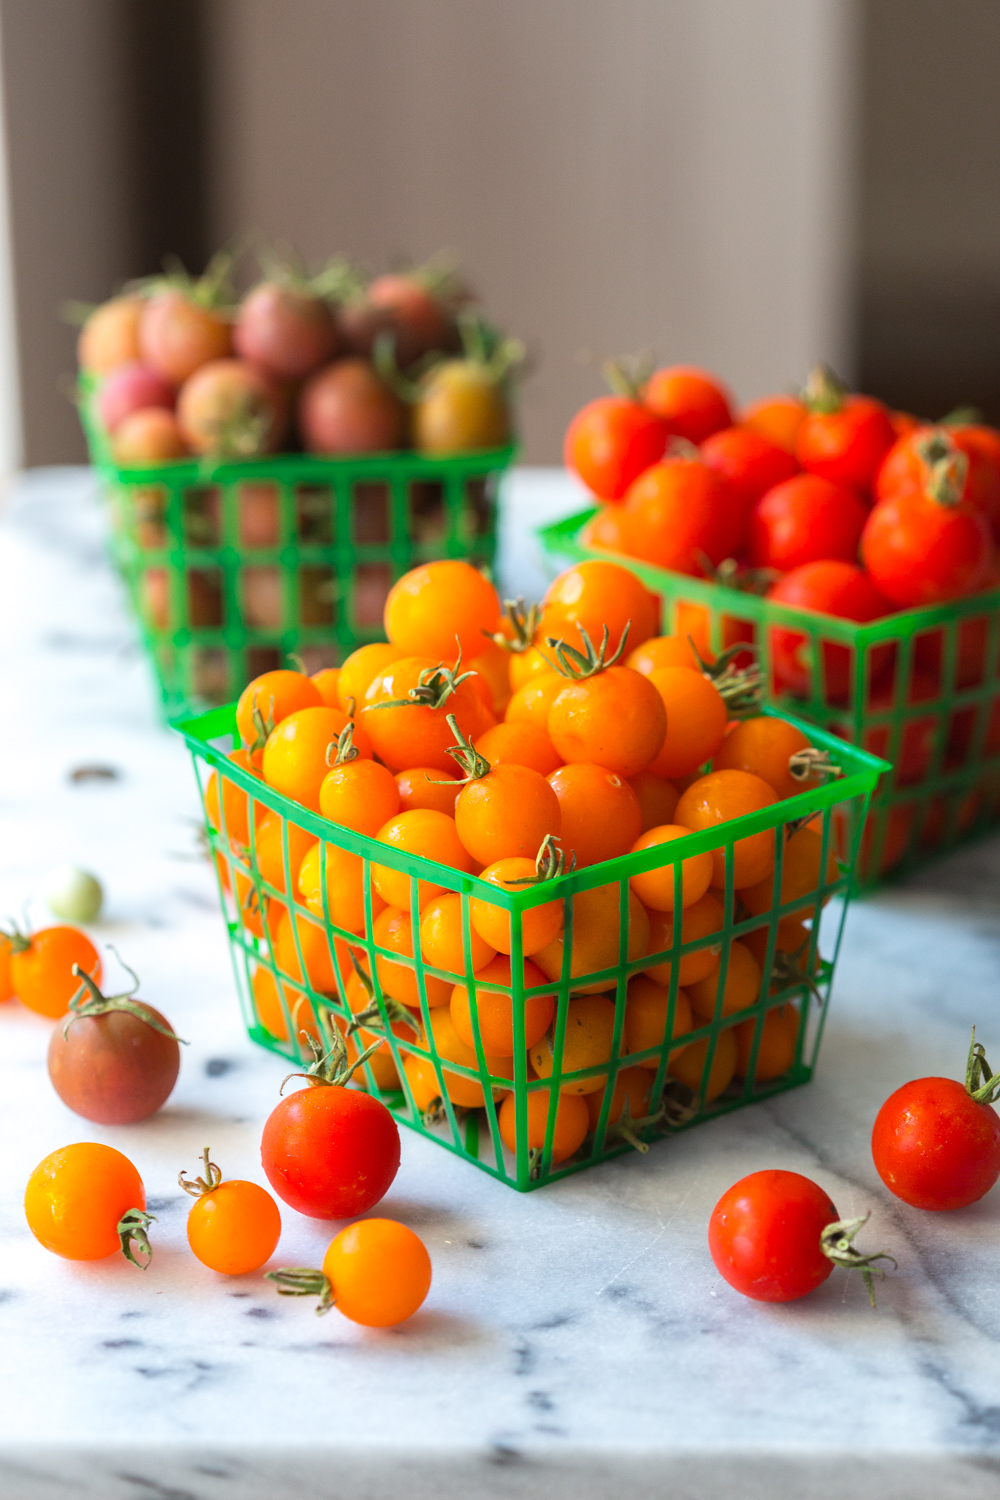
[(832, 588), (770, 1237), (905, 467), (610, 442), (936, 1143), (843, 438), (922, 549), (683, 511), (691, 402), (804, 520), (751, 463)]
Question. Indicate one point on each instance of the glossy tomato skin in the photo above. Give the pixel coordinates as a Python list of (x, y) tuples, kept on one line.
[(903, 469), (833, 588), (113, 1068), (330, 1152), (848, 445), (682, 511), (806, 519), (691, 401), (764, 1236), (610, 442), (934, 1146), (919, 551), (751, 463)]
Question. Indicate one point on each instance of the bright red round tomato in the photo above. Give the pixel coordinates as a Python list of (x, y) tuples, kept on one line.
[(691, 401), (921, 550), (806, 519), (843, 438), (904, 468), (764, 1236), (610, 442), (330, 1152), (935, 1146), (684, 512), (750, 462), (833, 588)]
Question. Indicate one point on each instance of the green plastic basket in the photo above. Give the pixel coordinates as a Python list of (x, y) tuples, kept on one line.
[(254, 927), (923, 693), (232, 567)]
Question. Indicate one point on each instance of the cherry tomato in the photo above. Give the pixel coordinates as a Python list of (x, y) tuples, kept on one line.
[(610, 441), (590, 1024), (424, 787), (715, 800), (271, 835), (572, 1122), (507, 812), (431, 835), (494, 1008), (449, 1046), (235, 806), (360, 670), (614, 718), (764, 746), (665, 651), (533, 700), (330, 1152), (345, 887), (234, 1226), (920, 549), (831, 588), (594, 594), (764, 1236), (696, 720), (295, 759), (692, 403), (688, 1065), (750, 462), (271, 1015), (86, 1201), (273, 697), (842, 438), (41, 967), (601, 818), (806, 519), (432, 606), (596, 938), (702, 919), (657, 799), (778, 1041), (646, 1008), (327, 683), (936, 1143), (406, 713), (741, 989), (656, 888), (904, 470), (442, 940), (360, 794), (684, 512), (393, 931), (777, 418), (520, 745), (376, 1272), (540, 925)]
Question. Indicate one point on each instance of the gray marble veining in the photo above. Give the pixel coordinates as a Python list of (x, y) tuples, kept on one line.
[(577, 1341)]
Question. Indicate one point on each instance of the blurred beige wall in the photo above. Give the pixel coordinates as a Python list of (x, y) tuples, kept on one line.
[(673, 174)]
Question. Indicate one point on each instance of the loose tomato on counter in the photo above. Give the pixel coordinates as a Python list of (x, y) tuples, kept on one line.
[(376, 1272), (41, 966), (234, 1226), (87, 1201)]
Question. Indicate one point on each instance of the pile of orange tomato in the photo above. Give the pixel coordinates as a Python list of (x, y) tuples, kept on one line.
[(513, 744)]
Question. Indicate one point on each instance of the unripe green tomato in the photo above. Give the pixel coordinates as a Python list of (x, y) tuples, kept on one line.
[(74, 894), (461, 408)]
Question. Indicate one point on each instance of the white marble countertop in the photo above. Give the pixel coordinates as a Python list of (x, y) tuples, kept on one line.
[(577, 1341)]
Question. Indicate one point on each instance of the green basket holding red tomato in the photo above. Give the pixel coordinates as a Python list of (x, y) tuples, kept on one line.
[(551, 1069)]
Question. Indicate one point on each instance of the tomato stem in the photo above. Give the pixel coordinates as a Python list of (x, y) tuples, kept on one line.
[(823, 394), (101, 1005), (731, 574), (524, 622), (303, 1281), (837, 1243), (804, 764), (550, 862), (435, 686), (981, 1083), (342, 750), (579, 665), (202, 1185), (264, 727), (131, 1230), (333, 1068), (397, 1013), (946, 467), (627, 375), (469, 760), (17, 941)]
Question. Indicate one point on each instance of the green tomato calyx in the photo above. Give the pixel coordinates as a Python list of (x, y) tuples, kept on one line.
[(101, 1005), (303, 1281), (837, 1243), (202, 1185)]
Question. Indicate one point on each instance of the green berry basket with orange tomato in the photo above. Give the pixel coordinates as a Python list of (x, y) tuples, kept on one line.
[(443, 890), (852, 550), (236, 554)]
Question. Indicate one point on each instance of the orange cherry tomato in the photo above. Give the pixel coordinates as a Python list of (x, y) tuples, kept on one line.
[(572, 1122), (764, 747), (234, 1226), (442, 940), (423, 1081), (690, 401), (533, 700), (379, 1272), (76, 1198), (596, 929), (235, 807), (657, 888), (466, 1092), (345, 887), (424, 787), (590, 1024), (527, 664), (519, 745), (327, 684), (632, 1088), (689, 1065), (433, 605), (614, 719), (318, 953), (360, 794), (702, 919), (696, 720), (393, 930), (271, 1012), (657, 798), (792, 937), (800, 875), (646, 1010), (777, 418), (664, 651), (715, 800), (273, 696), (540, 925), (270, 836), (494, 1009), (601, 818), (418, 733), (778, 1043), (508, 812), (360, 670), (295, 759), (594, 594), (41, 967), (492, 667), (742, 986), (432, 835)]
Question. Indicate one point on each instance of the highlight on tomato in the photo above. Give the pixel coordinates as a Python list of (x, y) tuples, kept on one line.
[(87, 1201), (41, 966), (233, 1226), (376, 1272)]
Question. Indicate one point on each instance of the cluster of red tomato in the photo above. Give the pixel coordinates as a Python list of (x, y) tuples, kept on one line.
[(597, 754), (851, 509), (335, 363), (328, 1151)]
